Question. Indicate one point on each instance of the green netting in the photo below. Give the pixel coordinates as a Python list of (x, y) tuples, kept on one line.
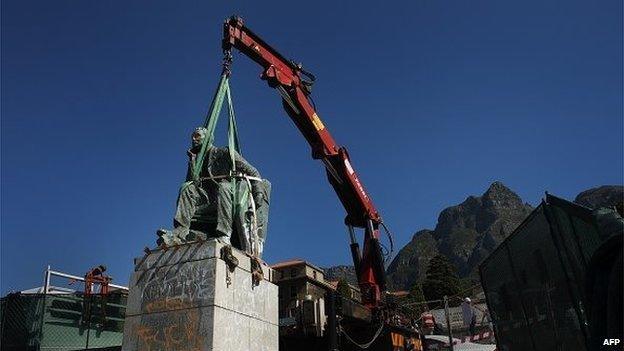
[(544, 280), (62, 321), (534, 281), (506, 310), (571, 243), (20, 322)]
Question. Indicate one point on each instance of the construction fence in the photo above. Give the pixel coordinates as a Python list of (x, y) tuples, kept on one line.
[(60, 322), (534, 281), (456, 317)]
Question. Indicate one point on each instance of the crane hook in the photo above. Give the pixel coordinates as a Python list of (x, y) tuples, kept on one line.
[(227, 62)]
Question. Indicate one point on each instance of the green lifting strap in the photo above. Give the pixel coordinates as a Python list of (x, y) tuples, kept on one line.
[(223, 92), (233, 142), (241, 190)]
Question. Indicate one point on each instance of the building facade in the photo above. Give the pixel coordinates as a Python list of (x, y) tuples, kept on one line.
[(302, 289)]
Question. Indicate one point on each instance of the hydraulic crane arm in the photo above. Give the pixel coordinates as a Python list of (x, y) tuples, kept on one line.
[(290, 81)]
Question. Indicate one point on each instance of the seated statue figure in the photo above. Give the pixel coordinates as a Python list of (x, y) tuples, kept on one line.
[(210, 207)]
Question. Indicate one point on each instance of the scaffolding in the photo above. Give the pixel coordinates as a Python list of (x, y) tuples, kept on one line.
[(61, 319)]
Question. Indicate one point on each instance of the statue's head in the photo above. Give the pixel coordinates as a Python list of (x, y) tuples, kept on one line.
[(199, 136)]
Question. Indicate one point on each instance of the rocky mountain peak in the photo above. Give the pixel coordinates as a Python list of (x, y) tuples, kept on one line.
[(468, 232), (420, 232), (498, 186), (498, 194), (603, 196), (340, 272), (465, 233)]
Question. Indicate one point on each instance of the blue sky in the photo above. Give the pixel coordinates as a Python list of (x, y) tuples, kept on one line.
[(435, 100)]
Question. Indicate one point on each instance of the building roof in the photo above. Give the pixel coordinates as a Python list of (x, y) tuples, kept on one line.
[(295, 262), (287, 263)]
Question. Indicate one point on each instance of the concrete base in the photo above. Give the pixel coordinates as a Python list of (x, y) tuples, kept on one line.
[(185, 298)]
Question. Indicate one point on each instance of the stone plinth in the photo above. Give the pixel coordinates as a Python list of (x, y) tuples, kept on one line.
[(185, 298)]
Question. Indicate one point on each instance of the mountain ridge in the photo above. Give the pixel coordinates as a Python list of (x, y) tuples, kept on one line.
[(468, 232), (465, 233)]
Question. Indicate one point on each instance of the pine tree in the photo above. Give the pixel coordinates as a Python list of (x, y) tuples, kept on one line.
[(416, 293), (343, 288), (441, 279), (417, 297)]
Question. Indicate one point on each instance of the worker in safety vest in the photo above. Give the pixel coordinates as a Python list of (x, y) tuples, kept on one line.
[(95, 277), (96, 271), (206, 207)]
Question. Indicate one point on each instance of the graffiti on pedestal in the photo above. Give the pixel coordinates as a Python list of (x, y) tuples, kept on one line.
[(189, 282), (171, 299), (176, 330)]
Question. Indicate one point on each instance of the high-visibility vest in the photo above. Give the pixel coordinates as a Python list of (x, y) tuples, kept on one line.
[(398, 342)]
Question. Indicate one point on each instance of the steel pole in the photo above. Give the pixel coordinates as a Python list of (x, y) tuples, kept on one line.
[(332, 335), (448, 322), (46, 287), (82, 279), (46, 281), (356, 255)]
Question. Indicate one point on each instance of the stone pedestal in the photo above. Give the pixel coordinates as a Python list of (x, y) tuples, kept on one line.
[(185, 298)]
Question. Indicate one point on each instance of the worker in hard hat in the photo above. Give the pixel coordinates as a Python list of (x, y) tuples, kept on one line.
[(205, 207)]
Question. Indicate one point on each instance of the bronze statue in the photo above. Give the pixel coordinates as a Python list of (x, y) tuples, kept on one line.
[(228, 201)]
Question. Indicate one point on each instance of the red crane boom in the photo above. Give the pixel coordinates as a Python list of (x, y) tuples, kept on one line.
[(290, 81)]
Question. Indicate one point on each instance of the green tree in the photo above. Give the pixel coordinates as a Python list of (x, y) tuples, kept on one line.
[(470, 286), (416, 293), (343, 288), (417, 298), (441, 279)]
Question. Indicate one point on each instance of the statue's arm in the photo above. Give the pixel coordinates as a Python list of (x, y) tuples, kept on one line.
[(189, 168), (243, 166)]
